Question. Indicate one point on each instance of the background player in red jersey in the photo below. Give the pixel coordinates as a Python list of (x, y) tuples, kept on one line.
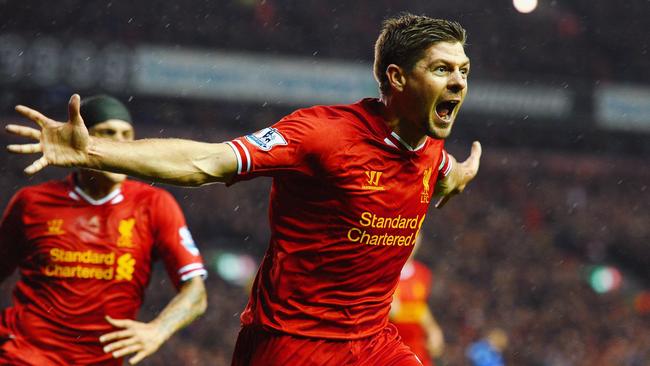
[(411, 314), (351, 188), (84, 247)]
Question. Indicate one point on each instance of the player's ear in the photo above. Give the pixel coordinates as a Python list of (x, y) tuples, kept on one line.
[(396, 77)]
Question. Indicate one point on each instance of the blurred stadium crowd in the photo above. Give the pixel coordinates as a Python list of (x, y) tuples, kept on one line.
[(564, 39), (515, 251)]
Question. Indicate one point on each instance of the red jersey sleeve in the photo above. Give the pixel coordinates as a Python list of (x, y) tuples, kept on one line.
[(12, 245), (174, 242), (291, 145), (445, 164)]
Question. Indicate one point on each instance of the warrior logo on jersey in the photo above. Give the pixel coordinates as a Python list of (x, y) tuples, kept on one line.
[(54, 227), (372, 181), (126, 233), (424, 197), (267, 138)]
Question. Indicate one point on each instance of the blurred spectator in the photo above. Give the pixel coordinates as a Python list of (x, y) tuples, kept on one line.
[(487, 351)]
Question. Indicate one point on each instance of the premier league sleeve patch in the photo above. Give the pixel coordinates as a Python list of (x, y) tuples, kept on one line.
[(188, 241), (267, 138)]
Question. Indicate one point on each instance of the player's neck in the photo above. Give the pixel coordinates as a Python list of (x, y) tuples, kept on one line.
[(391, 110), (95, 184)]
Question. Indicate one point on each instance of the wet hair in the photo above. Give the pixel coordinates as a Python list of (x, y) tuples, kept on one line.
[(404, 39), (101, 108)]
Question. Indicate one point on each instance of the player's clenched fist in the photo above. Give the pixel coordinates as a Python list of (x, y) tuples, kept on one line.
[(461, 175)]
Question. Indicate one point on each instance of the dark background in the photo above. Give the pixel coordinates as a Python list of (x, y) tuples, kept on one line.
[(555, 196)]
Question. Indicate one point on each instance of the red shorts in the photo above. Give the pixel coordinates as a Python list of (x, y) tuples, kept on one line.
[(259, 347), (17, 352)]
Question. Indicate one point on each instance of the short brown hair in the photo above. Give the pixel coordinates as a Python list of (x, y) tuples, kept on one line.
[(404, 38)]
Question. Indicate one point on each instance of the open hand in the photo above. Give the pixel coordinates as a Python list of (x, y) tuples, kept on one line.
[(461, 175), (143, 339), (62, 143)]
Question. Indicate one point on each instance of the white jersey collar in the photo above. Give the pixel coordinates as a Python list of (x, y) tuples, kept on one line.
[(394, 139), (114, 197)]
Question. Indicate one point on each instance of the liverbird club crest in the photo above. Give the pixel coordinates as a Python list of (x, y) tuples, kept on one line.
[(426, 195)]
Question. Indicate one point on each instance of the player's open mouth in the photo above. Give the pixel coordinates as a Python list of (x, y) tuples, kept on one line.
[(445, 109)]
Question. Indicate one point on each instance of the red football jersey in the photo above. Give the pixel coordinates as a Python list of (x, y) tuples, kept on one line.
[(347, 201), (82, 259), (410, 307)]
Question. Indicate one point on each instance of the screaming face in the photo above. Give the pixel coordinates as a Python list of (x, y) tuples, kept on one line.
[(436, 87)]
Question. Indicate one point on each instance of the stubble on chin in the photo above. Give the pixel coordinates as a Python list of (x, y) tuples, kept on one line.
[(439, 133)]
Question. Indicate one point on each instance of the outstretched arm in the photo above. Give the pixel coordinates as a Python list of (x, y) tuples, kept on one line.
[(144, 339), (174, 161), (461, 174)]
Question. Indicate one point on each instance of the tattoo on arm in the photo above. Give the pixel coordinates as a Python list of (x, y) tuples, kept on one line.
[(186, 306)]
